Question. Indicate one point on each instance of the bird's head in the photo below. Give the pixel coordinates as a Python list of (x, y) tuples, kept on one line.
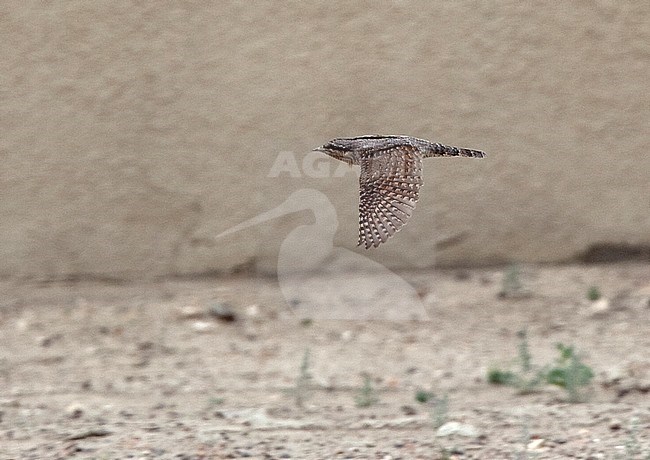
[(339, 149)]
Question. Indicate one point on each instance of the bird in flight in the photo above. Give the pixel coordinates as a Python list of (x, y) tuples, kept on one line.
[(390, 180)]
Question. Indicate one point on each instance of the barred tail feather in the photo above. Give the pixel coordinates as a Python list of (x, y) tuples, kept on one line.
[(441, 150)]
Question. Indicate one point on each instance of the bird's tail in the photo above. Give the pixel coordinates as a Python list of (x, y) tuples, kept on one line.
[(441, 150)]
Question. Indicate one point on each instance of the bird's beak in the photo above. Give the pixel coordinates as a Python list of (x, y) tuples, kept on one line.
[(319, 149)]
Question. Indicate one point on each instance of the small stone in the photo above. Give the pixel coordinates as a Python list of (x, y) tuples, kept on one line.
[(615, 425), (346, 336), (612, 376), (91, 433), (189, 312), (202, 326), (75, 410), (49, 340), (456, 428), (535, 445), (22, 324), (599, 307), (409, 410), (515, 294), (223, 312), (253, 310)]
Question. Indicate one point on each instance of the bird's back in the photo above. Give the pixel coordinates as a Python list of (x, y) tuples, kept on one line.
[(373, 145)]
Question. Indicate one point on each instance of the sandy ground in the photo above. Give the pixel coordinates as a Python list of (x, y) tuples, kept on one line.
[(89, 370)]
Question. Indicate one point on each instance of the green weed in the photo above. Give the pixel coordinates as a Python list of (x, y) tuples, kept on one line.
[(568, 372), (511, 285), (423, 396), (440, 411), (303, 381), (366, 396), (593, 293), (526, 379), (216, 401)]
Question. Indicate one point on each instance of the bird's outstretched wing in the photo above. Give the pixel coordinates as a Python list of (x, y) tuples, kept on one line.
[(389, 185)]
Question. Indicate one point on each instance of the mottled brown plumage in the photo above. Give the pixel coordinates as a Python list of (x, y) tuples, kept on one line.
[(391, 176)]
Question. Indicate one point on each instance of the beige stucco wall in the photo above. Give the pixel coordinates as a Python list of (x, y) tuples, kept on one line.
[(132, 133)]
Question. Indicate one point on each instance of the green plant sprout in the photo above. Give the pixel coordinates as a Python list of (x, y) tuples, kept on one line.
[(423, 396), (527, 380), (511, 284), (440, 411), (568, 372), (593, 293), (366, 396), (303, 381)]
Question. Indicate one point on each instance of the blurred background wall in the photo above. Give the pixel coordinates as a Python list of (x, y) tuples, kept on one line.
[(132, 133)]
